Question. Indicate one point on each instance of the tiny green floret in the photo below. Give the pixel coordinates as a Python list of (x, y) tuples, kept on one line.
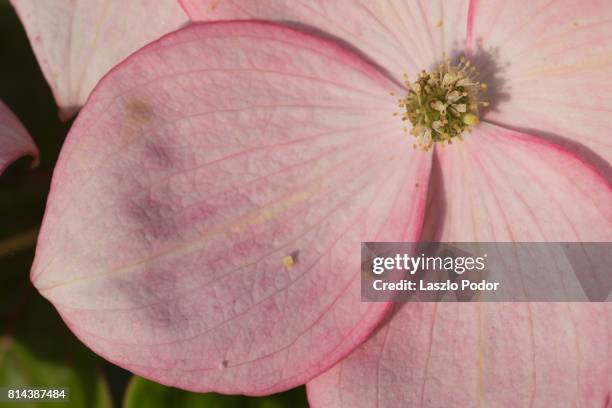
[(442, 104)]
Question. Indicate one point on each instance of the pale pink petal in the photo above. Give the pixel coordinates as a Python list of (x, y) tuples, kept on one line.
[(555, 59), (199, 170), (401, 37), (76, 42), (439, 355), (497, 185), (15, 141), (500, 185)]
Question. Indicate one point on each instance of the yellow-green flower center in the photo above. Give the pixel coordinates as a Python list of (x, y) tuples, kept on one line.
[(442, 104)]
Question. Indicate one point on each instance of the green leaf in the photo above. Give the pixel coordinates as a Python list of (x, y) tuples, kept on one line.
[(36, 348), (145, 393)]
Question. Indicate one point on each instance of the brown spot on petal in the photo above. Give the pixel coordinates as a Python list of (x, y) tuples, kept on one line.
[(137, 115), (138, 112)]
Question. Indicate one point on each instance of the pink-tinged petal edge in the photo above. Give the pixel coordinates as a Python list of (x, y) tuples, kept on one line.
[(498, 185), (77, 42), (554, 77), (199, 170), (15, 141), (402, 37)]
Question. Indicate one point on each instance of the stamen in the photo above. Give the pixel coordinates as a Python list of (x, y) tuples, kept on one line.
[(442, 104)]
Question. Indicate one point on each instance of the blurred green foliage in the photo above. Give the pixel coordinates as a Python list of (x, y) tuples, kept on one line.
[(145, 393), (36, 348)]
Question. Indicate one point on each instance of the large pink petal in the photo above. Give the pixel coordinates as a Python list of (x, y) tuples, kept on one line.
[(77, 42), (196, 169), (439, 355), (497, 186), (15, 141), (402, 37), (556, 70)]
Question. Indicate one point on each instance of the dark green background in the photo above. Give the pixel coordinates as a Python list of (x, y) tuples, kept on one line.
[(36, 348)]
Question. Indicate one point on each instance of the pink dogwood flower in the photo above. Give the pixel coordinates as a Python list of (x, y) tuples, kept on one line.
[(205, 219), (15, 141)]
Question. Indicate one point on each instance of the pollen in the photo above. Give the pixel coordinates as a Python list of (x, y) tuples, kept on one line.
[(288, 261), (443, 104)]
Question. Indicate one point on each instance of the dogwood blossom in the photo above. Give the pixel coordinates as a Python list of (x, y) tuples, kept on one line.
[(205, 216)]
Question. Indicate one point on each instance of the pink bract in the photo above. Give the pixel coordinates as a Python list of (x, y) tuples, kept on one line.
[(553, 57), (549, 62), (205, 217), (492, 354), (195, 169), (77, 41), (15, 141)]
